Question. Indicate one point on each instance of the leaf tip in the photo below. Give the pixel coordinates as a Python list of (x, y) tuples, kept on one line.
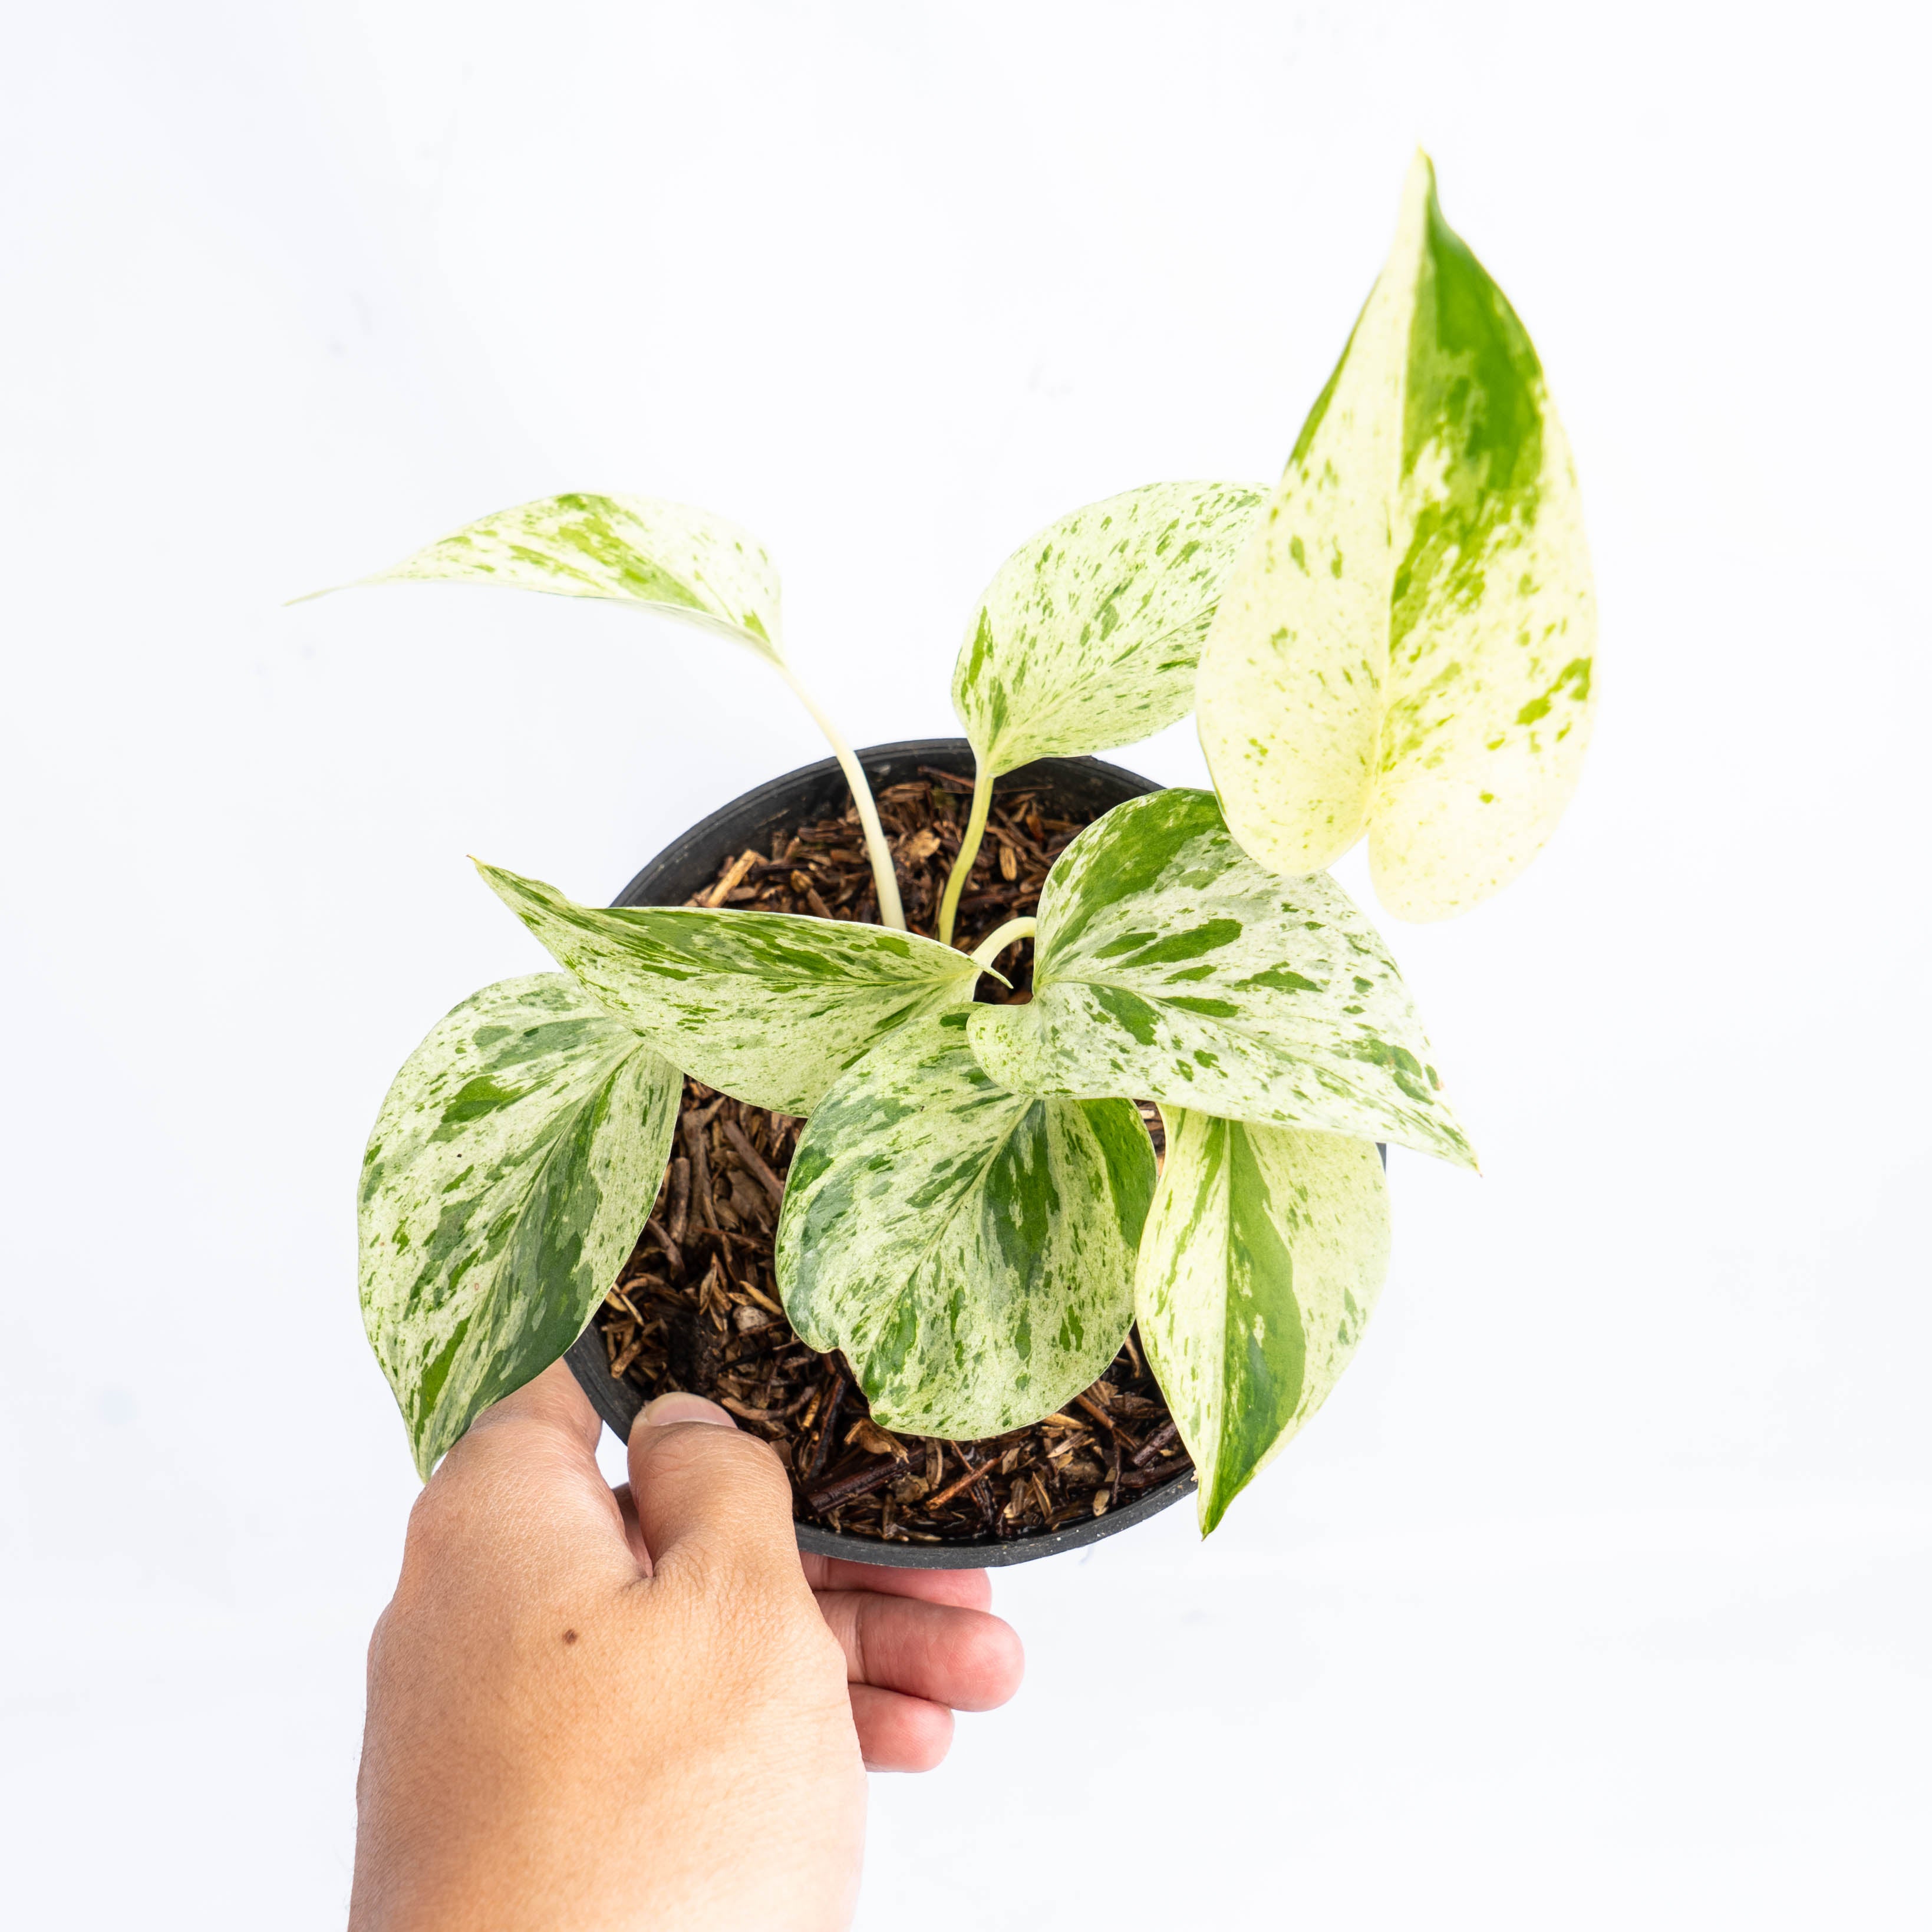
[(1421, 182), (1418, 198), (1212, 1508), (499, 882)]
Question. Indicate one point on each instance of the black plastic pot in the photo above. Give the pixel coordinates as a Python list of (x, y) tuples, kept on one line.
[(687, 865)]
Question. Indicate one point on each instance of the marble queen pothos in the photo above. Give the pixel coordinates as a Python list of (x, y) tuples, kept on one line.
[(1395, 641)]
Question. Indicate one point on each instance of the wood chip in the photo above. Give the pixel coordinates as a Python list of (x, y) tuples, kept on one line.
[(1155, 1444), (694, 1125), (861, 1482), (952, 781), (680, 1200), (973, 1475), (875, 1441), (828, 1422), (753, 1292), (1098, 1414), (755, 1163), (662, 1236), (750, 1413), (730, 883)]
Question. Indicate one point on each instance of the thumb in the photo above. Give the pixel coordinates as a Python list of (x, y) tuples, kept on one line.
[(708, 1496)]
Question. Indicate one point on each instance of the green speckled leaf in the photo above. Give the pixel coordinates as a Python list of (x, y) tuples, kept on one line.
[(1087, 637), (667, 557), (769, 1007), (514, 1161), (1261, 1261), (1169, 966), (971, 1250), (1405, 647)]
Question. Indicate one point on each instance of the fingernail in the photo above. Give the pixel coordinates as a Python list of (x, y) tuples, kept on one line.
[(681, 1406)]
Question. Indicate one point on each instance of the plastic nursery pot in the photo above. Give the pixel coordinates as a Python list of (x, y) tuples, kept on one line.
[(689, 864)]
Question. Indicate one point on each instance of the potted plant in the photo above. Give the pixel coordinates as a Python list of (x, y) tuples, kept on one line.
[(969, 1293)]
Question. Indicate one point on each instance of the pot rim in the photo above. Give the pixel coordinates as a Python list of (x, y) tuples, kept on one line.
[(693, 855)]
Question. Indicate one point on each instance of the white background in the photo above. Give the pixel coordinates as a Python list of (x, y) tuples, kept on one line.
[(1598, 1594)]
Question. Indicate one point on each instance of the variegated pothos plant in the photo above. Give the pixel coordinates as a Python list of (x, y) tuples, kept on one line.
[(1395, 640)]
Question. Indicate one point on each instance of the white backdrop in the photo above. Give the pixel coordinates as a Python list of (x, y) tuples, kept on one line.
[(1598, 1594)]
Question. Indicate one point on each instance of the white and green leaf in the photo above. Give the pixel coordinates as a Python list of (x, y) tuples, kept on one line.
[(666, 557), (1169, 966), (1406, 646), (1262, 1258), (769, 1007), (971, 1249), (1088, 635), (514, 1161)]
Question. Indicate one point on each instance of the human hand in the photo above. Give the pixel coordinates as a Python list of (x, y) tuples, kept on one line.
[(599, 1708)]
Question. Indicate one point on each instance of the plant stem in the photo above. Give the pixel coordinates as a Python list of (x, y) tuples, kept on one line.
[(969, 850), (891, 913), (997, 941)]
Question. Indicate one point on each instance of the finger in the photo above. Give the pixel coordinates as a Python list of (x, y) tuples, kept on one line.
[(971, 1589), (898, 1733), (552, 1400), (524, 1482), (966, 1660), (708, 1498)]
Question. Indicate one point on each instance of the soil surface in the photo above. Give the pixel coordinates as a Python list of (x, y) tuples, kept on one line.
[(697, 1307)]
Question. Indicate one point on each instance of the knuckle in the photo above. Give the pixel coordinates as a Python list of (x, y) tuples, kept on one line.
[(773, 1647), (826, 1655), (378, 1640), (430, 1527)]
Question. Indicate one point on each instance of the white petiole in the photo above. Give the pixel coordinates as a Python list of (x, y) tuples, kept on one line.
[(891, 913), (997, 941)]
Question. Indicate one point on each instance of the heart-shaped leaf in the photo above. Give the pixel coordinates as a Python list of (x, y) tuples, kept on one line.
[(1405, 647), (769, 1007), (515, 1159), (971, 1249), (1262, 1259), (1087, 636), (1169, 967), (667, 557)]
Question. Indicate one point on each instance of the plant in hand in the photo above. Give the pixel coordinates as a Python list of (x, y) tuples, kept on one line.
[(1394, 642)]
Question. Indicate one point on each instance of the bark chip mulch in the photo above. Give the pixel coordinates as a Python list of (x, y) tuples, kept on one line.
[(697, 1307)]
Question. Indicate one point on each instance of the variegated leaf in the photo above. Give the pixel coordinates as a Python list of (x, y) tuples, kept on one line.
[(514, 1161), (1169, 967), (769, 1007), (667, 557), (1261, 1261), (1406, 646), (1088, 635), (971, 1250)]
